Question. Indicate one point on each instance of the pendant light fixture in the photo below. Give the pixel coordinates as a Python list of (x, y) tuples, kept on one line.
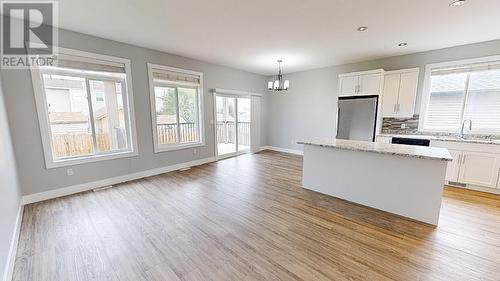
[(279, 84)]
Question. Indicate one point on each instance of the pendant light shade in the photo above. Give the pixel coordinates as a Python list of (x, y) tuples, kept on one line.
[(279, 84)]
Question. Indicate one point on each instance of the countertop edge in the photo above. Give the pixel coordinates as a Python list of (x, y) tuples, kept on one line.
[(378, 151)]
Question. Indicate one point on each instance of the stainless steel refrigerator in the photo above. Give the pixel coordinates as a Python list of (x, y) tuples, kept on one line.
[(357, 118)]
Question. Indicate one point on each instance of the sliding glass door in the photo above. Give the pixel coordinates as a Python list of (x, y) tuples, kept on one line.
[(233, 124)]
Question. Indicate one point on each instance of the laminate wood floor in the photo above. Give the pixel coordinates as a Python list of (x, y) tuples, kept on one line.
[(247, 218)]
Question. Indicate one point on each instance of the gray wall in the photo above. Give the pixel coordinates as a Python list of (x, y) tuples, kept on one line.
[(19, 99), (10, 195), (308, 108)]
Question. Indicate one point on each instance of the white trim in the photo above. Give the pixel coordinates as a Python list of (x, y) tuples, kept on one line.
[(43, 118), (235, 92), (54, 193), (91, 158), (181, 146), (280, 149), (374, 71), (427, 77), (11, 258), (401, 71), (475, 188), (463, 62), (152, 100)]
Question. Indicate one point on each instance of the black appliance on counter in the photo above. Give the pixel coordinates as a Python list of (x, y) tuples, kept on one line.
[(411, 141)]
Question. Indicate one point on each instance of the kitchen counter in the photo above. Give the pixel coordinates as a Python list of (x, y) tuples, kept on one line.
[(433, 153), (400, 179), (444, 138)]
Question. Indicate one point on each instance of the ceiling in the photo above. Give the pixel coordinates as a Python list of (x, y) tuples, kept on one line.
[(252, 34)]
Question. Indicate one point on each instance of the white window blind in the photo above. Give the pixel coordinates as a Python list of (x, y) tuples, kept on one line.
[(461, 93)]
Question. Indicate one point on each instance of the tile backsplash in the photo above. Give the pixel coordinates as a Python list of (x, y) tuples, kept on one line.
[(393, 125)]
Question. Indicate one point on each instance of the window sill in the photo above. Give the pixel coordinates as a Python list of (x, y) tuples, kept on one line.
[(89, 159), (173, 147)]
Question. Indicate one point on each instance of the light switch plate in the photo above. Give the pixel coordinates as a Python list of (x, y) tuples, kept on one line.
[(69, 172)]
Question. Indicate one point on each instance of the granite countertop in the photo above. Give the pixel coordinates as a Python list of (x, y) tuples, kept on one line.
[(422, 152), (444, 138)]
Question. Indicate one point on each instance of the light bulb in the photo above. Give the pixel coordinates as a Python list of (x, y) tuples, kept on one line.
[(286, 85)]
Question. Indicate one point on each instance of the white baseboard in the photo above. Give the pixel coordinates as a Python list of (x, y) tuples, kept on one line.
[(476, 188), (285, 150), (46, 195), (11, 258)]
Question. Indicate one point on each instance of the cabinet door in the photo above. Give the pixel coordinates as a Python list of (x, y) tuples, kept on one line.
[(383, 139), (498, 174), (390, 95), (369, 84), (348, 86), (453, 167), (407, 94), (478, 168)]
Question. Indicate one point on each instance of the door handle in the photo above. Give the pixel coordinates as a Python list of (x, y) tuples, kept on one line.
[(395, 105), (463, 159)]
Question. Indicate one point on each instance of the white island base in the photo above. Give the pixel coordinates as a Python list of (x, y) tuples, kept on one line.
[(406, 185)]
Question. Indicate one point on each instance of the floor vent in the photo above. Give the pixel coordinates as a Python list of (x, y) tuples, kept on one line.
[(457, 184)]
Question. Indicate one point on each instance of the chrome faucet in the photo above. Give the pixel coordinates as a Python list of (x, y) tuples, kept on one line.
[(462, 135)]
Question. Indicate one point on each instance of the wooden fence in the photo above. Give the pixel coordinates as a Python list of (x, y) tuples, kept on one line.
[(77, 144)]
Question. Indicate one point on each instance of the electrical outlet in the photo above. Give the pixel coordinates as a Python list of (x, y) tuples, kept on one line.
[(69, 172), (403, 126)]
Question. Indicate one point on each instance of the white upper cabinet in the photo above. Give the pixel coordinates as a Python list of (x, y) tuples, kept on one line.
[(348, 85), (361, 83), (391, 94), (479, 168), (400, 92), (369, 84)]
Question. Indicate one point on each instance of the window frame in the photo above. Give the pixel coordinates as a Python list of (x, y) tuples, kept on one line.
[(157, 147), (43, 114), (426, 91)]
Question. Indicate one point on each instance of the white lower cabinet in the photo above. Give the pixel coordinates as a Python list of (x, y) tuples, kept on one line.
[(473, 164), (479, 168), (498, 175), (454, 166)]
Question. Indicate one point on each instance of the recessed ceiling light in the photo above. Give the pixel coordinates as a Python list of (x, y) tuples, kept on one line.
[(362, 28), (457, 3), (403, 44)]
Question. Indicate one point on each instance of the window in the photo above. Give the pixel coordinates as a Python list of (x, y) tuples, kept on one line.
[(83, 108), (466, 90), (176, 107)]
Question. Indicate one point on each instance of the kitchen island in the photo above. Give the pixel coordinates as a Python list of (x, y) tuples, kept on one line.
[(400, 179)]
